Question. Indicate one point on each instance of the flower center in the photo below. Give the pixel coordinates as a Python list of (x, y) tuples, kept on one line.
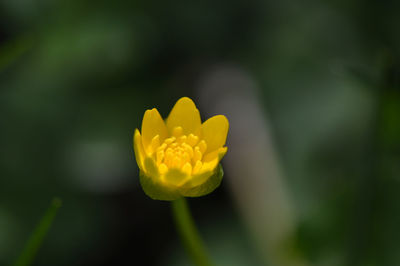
[(179, 151)]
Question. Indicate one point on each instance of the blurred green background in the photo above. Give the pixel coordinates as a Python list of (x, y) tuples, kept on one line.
[(77, 76)]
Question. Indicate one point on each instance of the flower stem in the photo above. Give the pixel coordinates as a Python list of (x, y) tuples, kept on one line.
[(189, 233)]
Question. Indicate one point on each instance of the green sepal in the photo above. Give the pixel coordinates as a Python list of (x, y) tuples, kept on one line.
[(156, 190), (207, 187)]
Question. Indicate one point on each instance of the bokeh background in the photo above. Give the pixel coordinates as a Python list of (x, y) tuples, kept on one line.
[(312, 92)]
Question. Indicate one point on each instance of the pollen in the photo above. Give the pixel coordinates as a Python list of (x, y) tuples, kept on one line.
[(179, 152)]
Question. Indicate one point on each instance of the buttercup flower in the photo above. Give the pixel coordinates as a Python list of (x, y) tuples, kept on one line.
[(180, 157)]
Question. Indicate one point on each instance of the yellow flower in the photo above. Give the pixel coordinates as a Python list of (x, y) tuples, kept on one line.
[(180, 157)]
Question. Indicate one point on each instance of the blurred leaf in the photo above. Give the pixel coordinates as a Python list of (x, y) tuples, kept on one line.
[(36, 239)]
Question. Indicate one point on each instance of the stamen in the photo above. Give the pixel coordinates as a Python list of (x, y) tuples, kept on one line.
[(176, 162), (169, 155), (187, 168), (192, 139), (197, 167), (182, 139), (162, 168), (179, 152), (202, 146), (160, 156), (169, 140), (155, 143), (197, 154), (188, 149), (185, 157), (162, 147)]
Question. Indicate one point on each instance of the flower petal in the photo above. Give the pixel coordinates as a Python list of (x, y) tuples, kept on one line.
[(138, 148), (220, 153), (214, 132), (185, 115), (152, 125)]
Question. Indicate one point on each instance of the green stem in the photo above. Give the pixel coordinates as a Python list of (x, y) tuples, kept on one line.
[(189, 233), (35, 241)]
